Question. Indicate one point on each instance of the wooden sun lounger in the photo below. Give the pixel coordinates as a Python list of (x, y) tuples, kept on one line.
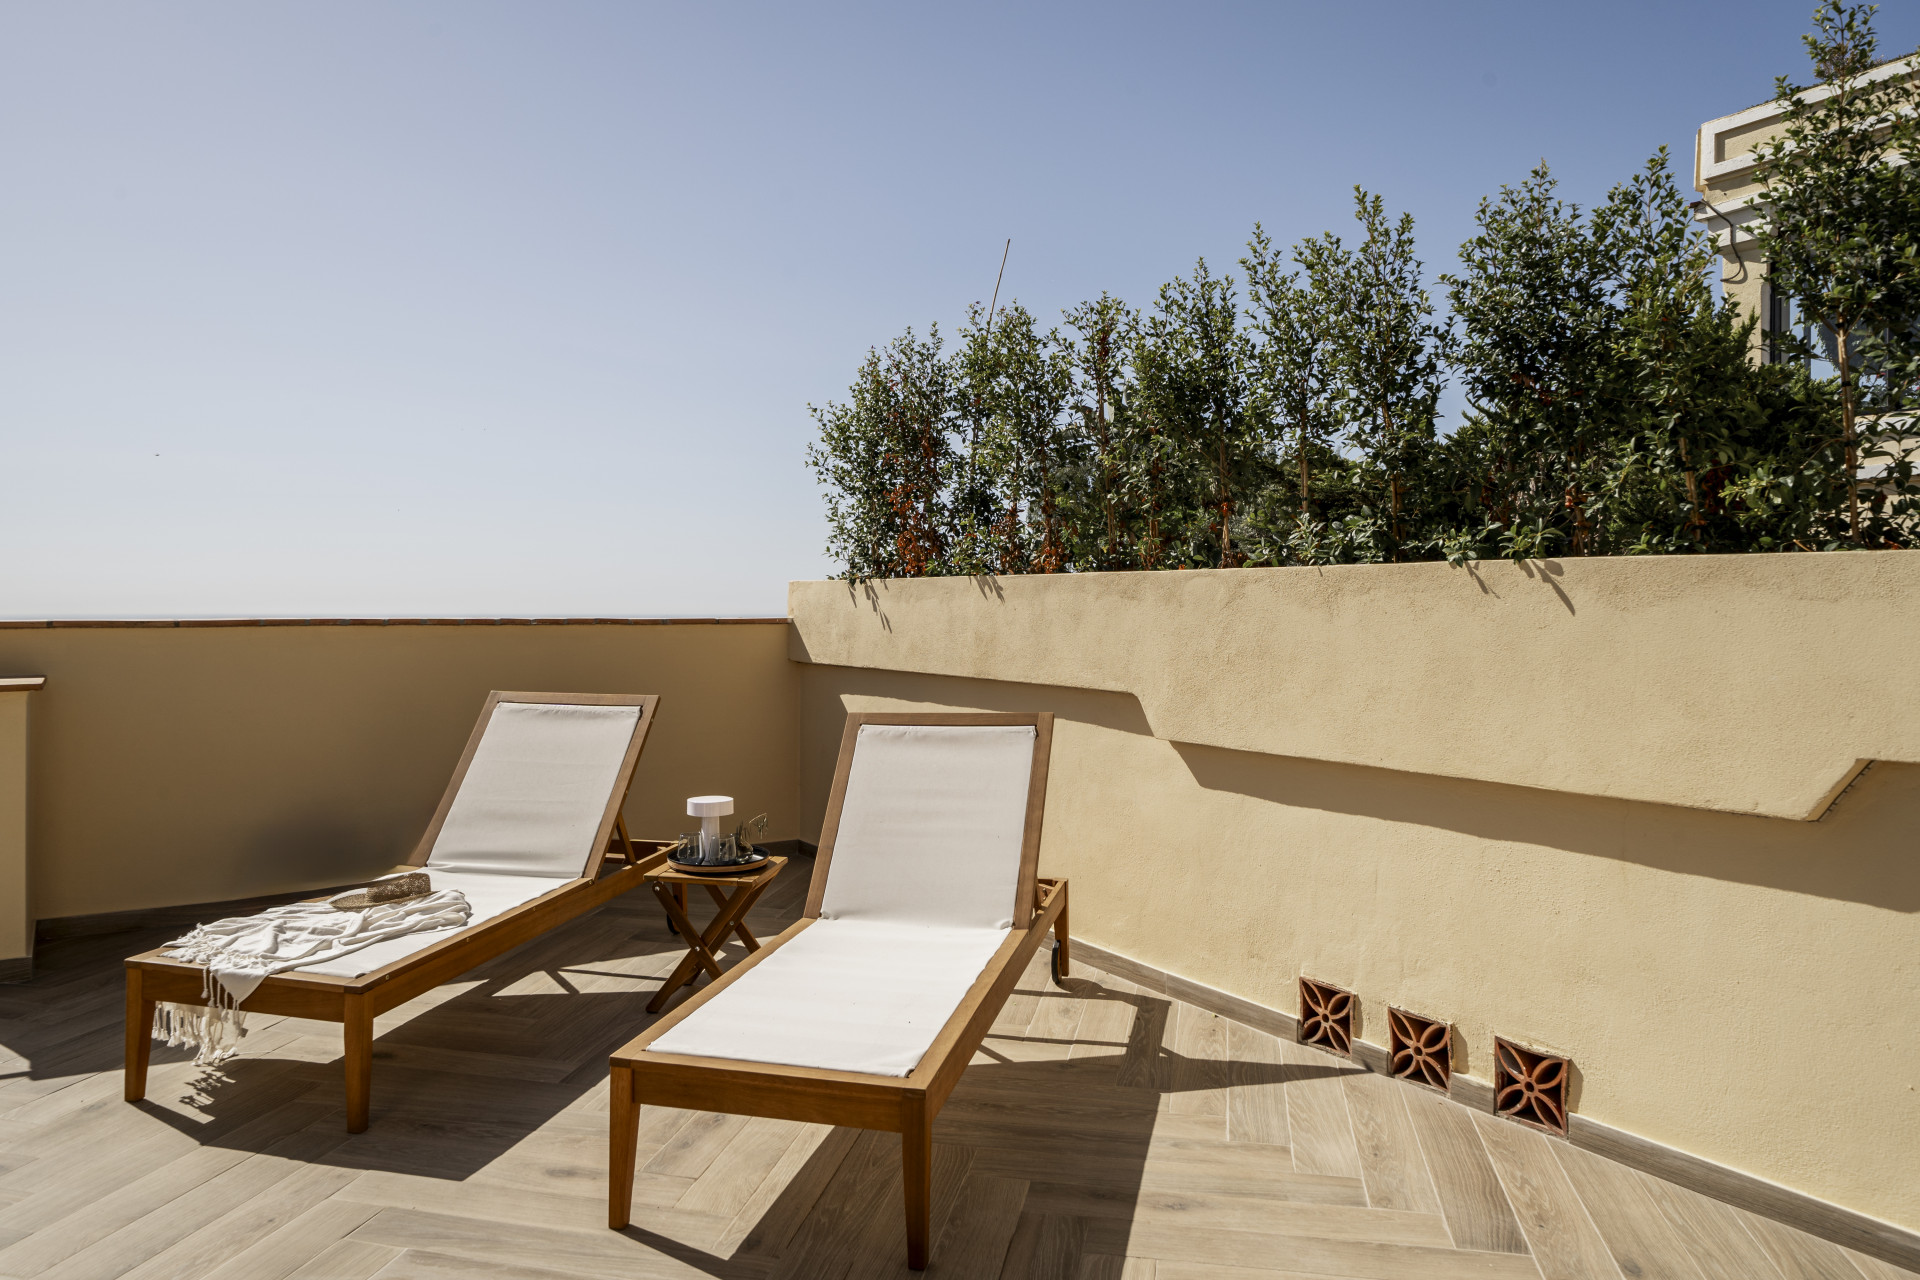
[(355, 1002), (905, 1104)]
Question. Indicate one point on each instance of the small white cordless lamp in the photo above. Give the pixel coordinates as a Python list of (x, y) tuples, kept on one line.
[(709, 809)]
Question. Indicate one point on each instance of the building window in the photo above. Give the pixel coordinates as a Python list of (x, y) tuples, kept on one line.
[(1778, 324)]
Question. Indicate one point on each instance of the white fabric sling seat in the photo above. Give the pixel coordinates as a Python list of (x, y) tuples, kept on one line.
[(845, 995), (522, 832), (923, 912)]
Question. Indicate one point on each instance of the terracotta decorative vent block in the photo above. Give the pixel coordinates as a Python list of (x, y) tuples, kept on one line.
[(1326, 1017), (1530, 1087), (1421, 1049)]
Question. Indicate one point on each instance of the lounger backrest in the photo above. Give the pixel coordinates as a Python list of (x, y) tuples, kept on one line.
[(932, 825), (536, 789)]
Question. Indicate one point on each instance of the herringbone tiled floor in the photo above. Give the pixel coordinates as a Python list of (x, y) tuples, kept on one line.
[(1105, 1132)]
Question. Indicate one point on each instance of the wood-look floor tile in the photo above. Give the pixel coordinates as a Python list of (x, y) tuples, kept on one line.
[(1559, 1232), (1200, 1066), (426, 1264), (696, 1145), (616, 1255), (1056, 1021), (1146, 1063), (1045, 1246), (1106, 1023), (167, 1186), (732, 1177), (1874, 1269), (193, 1256), (1391, 1162), (1642, 1241), (1346, 1258), (881, 1252), (347, 1260), (1256, 1088), (1471, 1197), (1317, 1119), (821, 1248), (1108, 1132), (980, 1227), (1798, 1255), (286, 1250), (1718, 1242), (1239, 1213), (775, 1210)]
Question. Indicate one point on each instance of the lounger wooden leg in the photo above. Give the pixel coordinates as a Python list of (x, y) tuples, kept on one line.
[(916, 1170), (359, 1061), (1061, 941), (625, 1139), (139, 1037)]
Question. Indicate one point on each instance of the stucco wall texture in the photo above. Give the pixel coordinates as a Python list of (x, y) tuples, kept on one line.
[(1577, 804), (198, 764)]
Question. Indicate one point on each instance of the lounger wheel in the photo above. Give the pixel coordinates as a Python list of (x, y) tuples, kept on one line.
[(1055, 959)]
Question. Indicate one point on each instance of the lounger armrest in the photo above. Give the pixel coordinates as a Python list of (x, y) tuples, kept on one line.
[(647, 855)]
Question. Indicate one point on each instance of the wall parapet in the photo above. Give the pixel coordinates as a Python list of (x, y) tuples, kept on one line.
[(67, 623), (1711, 682)]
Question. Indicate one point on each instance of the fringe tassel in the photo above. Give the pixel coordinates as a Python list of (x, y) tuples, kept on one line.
[(213, 1030), (213, 1033)]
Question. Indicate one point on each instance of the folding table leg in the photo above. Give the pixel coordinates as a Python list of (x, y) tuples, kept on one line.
[(751, 896), (699, 952), (728, 919)]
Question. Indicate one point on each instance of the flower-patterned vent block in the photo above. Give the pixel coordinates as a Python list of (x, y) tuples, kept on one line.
[(1530, 1087), (1326, 1017), (1421, 1049)]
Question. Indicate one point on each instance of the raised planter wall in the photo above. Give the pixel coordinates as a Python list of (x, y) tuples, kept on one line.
[(1612, 808)]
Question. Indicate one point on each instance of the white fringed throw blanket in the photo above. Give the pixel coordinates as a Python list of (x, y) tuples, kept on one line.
[(238, 953)]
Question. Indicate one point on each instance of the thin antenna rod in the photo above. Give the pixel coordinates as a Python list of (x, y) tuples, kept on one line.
[(995, 304)]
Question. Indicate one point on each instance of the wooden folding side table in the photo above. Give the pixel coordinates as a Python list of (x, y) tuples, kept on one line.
[(744, 889)]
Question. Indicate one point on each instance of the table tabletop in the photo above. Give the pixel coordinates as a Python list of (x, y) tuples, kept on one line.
[(666, 873)]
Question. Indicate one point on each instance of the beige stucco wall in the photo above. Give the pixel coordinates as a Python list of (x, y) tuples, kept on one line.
[(1523, 805), (1716, 682), (16, 923), (194, 764)]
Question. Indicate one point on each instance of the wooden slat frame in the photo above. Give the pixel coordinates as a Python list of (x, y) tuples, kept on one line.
[(899, 1104), (355, 1002)]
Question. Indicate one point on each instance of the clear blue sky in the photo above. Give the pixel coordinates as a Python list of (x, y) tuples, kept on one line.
[(506, 309)]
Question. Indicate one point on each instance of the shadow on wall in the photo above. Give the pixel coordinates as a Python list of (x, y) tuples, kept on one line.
[(1120, 712), (823, 713), (1845, 856)]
